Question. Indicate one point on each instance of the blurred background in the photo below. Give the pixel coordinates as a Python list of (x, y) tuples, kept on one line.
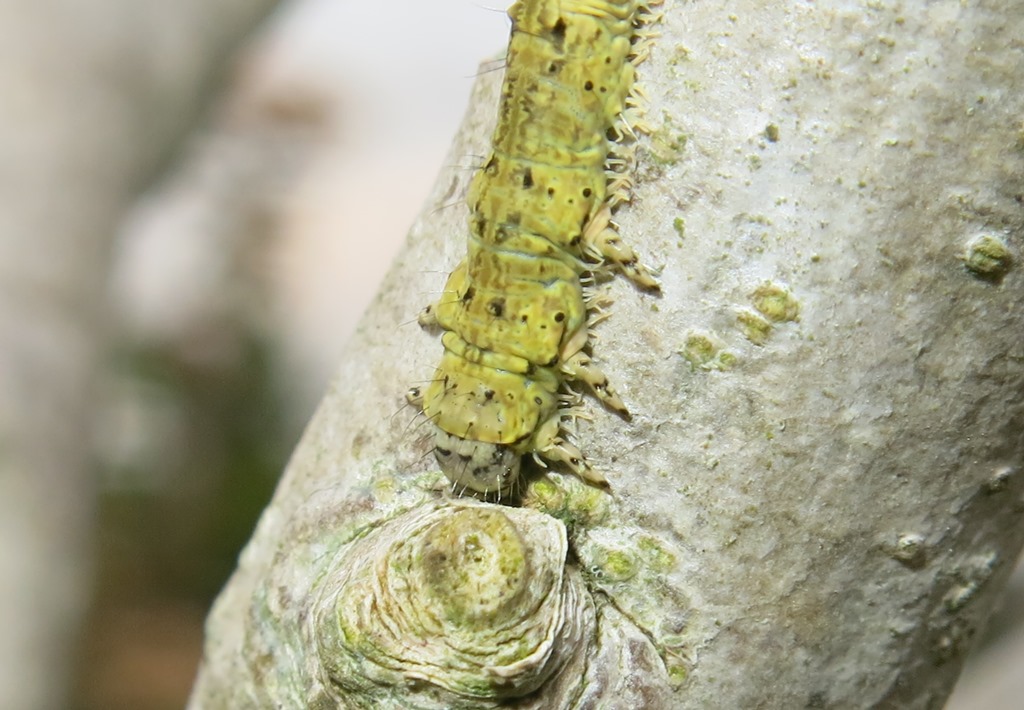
[(197, 201)]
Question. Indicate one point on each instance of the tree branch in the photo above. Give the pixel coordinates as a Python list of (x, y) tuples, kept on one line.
[(819, 494)]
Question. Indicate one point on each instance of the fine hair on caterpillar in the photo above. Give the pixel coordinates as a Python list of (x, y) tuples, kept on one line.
[(516, 312), (489, 67)]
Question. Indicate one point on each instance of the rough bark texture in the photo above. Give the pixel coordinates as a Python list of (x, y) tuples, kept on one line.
[(93, 95), (820, 491)]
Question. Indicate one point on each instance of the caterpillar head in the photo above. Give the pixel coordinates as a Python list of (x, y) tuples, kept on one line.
[(477, 465)]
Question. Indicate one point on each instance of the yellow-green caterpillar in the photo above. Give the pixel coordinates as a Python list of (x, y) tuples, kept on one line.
[(514, 310)]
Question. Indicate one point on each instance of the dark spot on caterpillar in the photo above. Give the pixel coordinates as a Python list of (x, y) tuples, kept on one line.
[(603, 89), (468, 295), (554, 67), (488, 395), (607, 60), (465, 457), (523, 318), (496, 307), (551, 192), (528, 179), (588, 86), (559, 317), (587, 192), (443, 452), (575, 241), (558, 34), (538, 401)]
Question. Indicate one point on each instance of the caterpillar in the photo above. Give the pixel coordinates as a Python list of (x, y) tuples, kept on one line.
[(515, 313)]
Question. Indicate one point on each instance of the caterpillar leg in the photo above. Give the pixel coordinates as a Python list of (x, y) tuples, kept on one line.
[(432, 316), (427, 317), (552, 446), (602, 241), (581, 367), (577, 365), (414, 396)]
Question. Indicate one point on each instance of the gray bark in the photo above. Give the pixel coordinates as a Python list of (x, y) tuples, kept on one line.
[(819, 494), (94, 95)]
